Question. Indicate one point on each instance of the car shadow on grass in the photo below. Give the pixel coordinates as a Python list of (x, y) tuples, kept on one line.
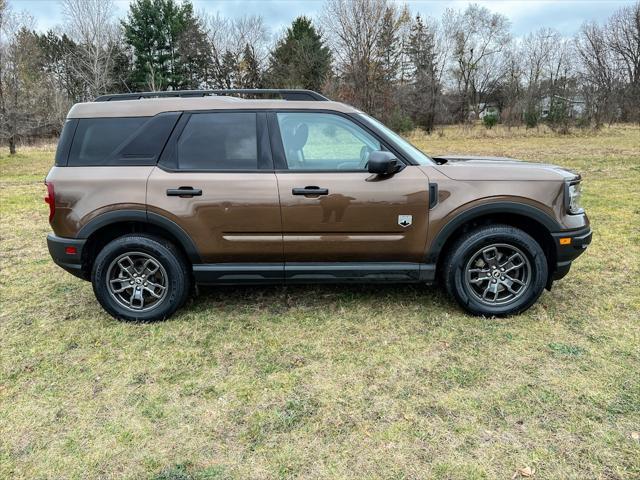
[(279, 299)]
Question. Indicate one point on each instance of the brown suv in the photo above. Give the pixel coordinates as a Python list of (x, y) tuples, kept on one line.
[(152, 193)]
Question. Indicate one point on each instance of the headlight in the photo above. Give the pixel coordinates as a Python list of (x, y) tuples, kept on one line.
[(573, 192)]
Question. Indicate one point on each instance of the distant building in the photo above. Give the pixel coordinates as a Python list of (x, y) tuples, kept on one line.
[(484, 109), (577, 105)]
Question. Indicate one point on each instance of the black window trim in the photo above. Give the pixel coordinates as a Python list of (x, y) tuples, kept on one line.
[(279, 157), (169, 160)]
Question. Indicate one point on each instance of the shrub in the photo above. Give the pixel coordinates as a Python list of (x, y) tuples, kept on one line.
[(490, 120), (531, 118), (400, 122)]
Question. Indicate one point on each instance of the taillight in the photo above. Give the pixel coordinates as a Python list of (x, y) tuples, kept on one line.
[(50, 199)]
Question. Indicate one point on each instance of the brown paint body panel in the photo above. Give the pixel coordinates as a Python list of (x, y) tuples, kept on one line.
[(457, 196), (83, 193), (253, 217), (236, 219), (357, 220)]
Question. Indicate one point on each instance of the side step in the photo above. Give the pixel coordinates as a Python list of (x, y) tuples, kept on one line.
[(320, 272)]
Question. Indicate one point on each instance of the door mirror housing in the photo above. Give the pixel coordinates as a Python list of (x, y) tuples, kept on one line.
[(383, 163)]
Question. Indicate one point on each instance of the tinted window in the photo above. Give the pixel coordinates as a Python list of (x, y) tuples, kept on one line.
[(219, 141), (323, 141), (64, 142), (97, 139)]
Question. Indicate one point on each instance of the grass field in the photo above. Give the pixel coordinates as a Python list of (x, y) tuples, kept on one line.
[(388, 382)]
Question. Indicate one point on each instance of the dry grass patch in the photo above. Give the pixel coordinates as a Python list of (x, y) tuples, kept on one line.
[(330, 382)]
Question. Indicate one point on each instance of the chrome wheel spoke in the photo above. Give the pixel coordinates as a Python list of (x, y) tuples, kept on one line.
[(478, 280), (124, 284), (127, 267), (490, 255), (136, 301), (149, 267), (153, 287)]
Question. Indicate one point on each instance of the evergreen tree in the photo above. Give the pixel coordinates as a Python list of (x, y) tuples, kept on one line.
[(249, 69), (426, 82), (169, 44), (227, 71), (195, 54), (56, 53), (300, 59)]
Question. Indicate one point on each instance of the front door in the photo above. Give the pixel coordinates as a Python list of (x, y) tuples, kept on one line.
[(333, 210), (216, 181)]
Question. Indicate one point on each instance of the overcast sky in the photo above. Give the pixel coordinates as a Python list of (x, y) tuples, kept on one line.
[(525, 15)]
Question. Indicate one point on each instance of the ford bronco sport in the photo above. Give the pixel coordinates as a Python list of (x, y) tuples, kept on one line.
[(152, 193)]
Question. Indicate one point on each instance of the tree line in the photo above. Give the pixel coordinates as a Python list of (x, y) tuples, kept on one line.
[(409, 70)]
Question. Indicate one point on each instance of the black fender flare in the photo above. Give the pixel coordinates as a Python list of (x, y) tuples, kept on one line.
[(520, 209), (142, 216)]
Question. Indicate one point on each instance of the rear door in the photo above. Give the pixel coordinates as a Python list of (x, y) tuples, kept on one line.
[(333, 210), (216, 181)]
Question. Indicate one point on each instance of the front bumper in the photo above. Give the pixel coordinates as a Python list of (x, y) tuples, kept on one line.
[(67, 253), (569, 246)]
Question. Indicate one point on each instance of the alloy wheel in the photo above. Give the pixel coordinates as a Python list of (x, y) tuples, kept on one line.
[(137, 281), (498, 274)]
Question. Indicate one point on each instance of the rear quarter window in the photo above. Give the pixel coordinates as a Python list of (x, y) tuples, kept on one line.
[(64, 142), (96, 140)]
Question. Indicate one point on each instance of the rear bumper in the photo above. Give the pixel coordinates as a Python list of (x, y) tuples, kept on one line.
[(63, 256), (566, 253)]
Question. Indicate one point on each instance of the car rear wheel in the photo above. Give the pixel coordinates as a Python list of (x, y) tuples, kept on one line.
[(140, 278), (495, 271)]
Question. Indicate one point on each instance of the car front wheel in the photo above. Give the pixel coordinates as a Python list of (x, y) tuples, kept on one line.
[(140, 278), (495, 271)]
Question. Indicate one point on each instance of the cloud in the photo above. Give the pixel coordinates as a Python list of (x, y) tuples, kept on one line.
[(525, 16)]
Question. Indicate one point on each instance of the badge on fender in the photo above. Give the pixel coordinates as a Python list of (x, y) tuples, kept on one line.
[(405, 220)]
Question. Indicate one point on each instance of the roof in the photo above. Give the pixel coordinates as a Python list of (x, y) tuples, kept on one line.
[(147, 107)]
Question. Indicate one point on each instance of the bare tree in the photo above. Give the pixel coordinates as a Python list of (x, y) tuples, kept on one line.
[(353, 29), (535, 52), (428, 59), (26, 108), (598, 71), (229, 39), (479, 37), (623, 36), (90, 24), (251, 30)]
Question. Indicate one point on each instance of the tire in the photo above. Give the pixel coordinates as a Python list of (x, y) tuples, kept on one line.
[(146, 264), (495, 270)]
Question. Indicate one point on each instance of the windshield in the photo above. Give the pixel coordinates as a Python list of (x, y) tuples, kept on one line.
[(406, 148)]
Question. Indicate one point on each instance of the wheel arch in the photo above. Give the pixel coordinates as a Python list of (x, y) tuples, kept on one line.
[(530, 219), (111, 225)]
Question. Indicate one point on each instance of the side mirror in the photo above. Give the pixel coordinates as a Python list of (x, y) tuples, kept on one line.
[(383, 163)]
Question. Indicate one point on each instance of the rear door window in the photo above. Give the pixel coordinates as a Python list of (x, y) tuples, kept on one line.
[(219, 141)]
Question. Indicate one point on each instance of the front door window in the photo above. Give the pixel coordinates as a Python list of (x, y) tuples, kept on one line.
[(323, 141)]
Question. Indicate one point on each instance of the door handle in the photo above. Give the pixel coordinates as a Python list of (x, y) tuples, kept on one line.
[(310, 190), (184, 192)]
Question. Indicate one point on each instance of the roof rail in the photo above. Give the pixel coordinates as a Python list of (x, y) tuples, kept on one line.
[(285, 94)]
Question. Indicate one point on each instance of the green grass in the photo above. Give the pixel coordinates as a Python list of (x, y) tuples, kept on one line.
[(330, 382)]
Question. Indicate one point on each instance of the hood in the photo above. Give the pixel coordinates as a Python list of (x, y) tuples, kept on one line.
[(467, 167)]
